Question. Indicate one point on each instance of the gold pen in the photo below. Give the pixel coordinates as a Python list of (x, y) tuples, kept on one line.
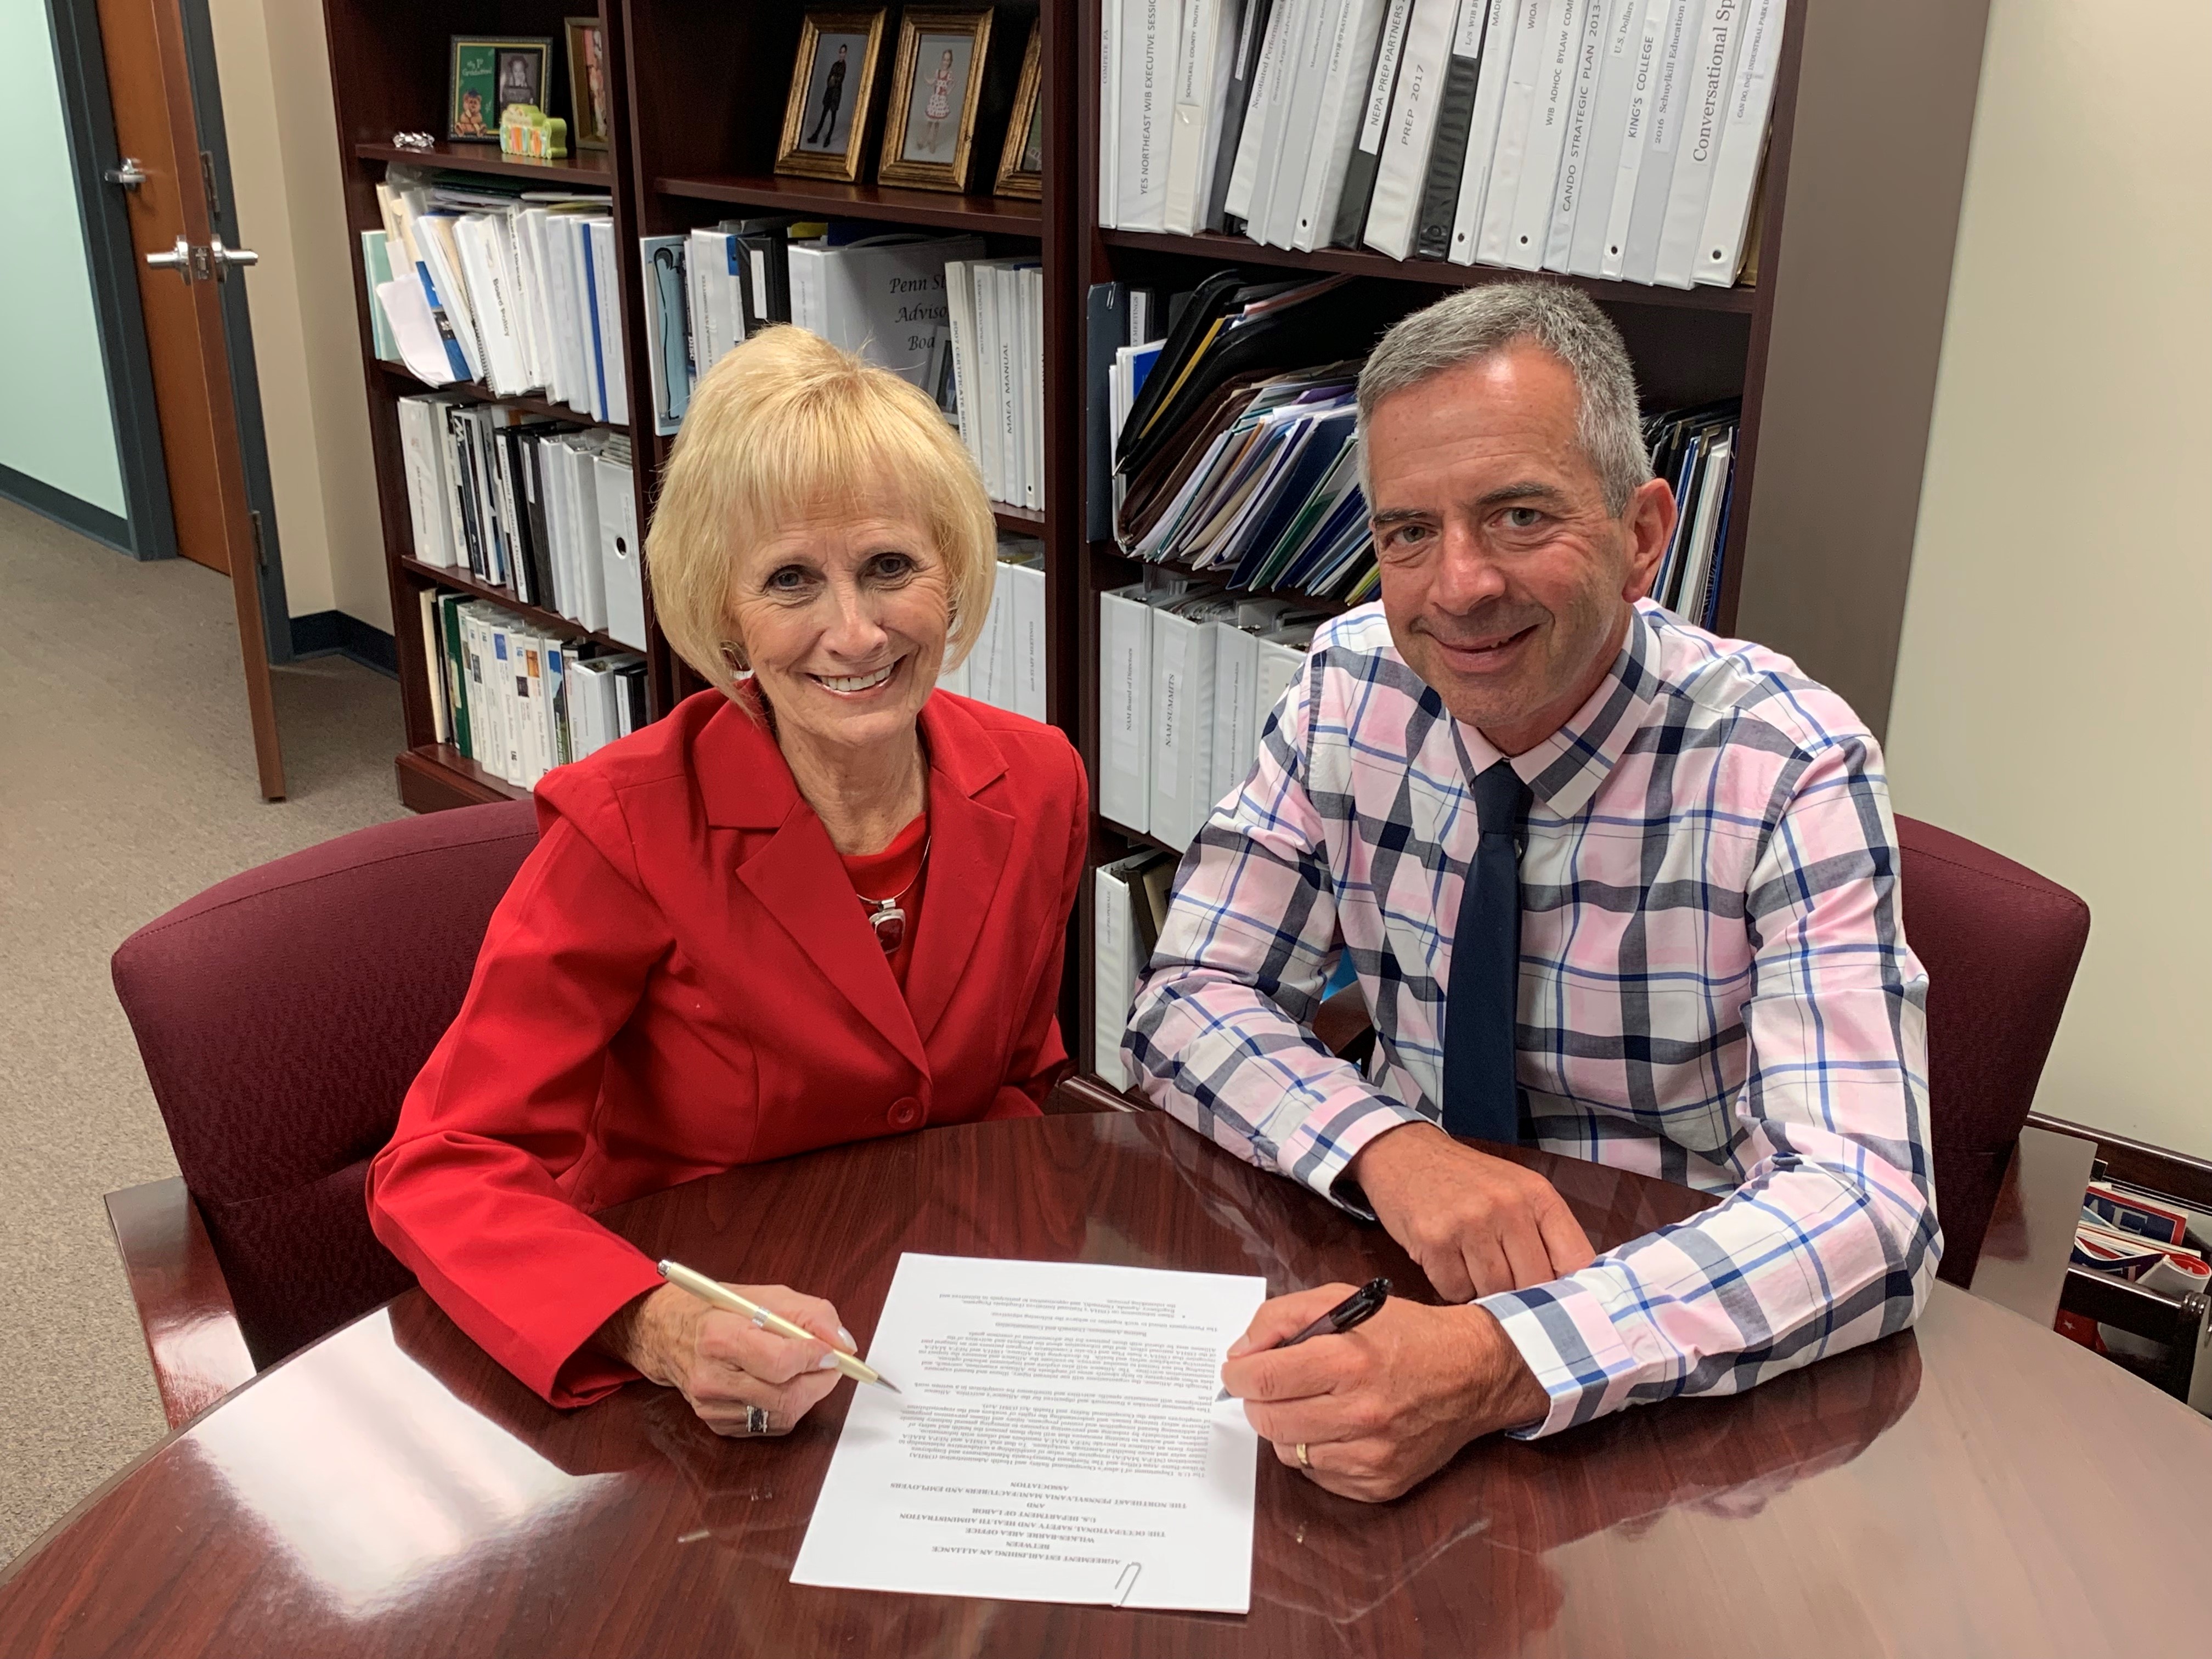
[(718, 1295)]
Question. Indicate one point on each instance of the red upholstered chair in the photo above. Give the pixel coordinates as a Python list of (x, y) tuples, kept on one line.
[(281, 1015), (2001, 945)]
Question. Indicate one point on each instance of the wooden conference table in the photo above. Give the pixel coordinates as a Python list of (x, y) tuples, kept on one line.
[(1975, 1486)]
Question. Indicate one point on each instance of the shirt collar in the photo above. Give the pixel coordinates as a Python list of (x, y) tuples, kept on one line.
[(1567, 768)]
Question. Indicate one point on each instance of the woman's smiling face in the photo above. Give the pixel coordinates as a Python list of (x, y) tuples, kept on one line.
[(844, 619)]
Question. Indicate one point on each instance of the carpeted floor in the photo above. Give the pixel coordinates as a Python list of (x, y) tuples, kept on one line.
[(126, 786)]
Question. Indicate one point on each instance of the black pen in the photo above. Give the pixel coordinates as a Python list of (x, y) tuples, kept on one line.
[(1356, 1309)]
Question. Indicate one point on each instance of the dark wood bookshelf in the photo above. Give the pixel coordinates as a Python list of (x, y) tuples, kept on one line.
[(1360, 262), (1136, 837), (463, 581), (433, 776), (588, 169), (469, 391), (938, 210), (1833, 350)]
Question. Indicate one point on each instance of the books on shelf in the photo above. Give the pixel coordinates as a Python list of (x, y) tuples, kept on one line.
[(516, 291), (542, 507), (1009, 664), (883, 296), (519, 699), (1187, 678), (995, 347), (1618, 138)]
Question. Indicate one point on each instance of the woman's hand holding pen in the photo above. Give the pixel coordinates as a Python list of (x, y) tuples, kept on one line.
[(1379, 1408), (741, 1379)]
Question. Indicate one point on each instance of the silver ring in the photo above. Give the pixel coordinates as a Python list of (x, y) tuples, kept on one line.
[(1305, 1463), (756, 1421)]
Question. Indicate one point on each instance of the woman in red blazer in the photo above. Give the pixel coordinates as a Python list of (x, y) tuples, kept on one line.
[(820, 902)]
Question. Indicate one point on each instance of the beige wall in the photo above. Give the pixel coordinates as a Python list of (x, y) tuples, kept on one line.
[(274, 65), (2054, 682)]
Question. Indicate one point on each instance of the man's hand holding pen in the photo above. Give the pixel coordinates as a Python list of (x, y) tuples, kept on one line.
[(1373, 1410), (1378, 1409)]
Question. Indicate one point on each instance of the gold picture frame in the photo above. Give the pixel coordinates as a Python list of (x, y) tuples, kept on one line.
[(936, 87), (825, 119), (1021, 162), (589, 94)]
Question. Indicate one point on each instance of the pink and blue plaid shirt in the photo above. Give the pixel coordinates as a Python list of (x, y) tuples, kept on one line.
[(1715, 989)]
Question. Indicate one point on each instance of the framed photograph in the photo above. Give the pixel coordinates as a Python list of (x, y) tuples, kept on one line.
[(825, 119), (935, 90), (1021, 163), (587, 83), (489, 75)]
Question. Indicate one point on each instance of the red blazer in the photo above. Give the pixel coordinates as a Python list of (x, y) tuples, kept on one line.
[(680, 980)]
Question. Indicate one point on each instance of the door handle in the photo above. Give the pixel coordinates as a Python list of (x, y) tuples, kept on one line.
[(177, 259), (223, 259), (130, 175)]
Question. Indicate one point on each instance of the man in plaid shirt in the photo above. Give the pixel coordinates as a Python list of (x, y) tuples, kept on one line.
[(1710, 982)]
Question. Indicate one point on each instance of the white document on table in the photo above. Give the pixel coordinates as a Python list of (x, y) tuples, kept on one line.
[(1056, 1439)]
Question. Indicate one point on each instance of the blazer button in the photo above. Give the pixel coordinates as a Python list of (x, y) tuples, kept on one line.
[(905, 1113)]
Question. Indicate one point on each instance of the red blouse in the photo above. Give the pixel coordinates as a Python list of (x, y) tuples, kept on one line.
[(880, 875)]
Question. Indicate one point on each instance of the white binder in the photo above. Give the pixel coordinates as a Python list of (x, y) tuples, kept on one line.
[(1482, 130), (1182, 726), (1201, 86), (1736, 172), (1024, 639), (1403, 172), (1624, 38), (622, 561), (1516, 105), (1597, 31), (1707, 76), (1337, 122), (1125, 709), (1635, 133), (1531, 227), (1236, 718), (1639, 259)]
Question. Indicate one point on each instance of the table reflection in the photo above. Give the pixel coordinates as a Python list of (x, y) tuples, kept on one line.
[(371, 1475)]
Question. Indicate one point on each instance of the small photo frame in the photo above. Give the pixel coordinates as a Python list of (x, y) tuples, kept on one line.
[(488, 75), (935, 90), (587, 83), (825, 119), (1021, 163)]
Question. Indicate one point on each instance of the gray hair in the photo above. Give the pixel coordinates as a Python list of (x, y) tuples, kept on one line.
[(1477, 322)]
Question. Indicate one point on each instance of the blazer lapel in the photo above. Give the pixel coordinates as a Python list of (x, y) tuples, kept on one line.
[(970, 840), (797, 876), (800, 881)]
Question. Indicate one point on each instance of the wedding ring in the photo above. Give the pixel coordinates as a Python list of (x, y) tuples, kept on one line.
[(1305, 1463)]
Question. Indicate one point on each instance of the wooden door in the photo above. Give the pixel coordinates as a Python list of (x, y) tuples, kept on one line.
[(149, 86)]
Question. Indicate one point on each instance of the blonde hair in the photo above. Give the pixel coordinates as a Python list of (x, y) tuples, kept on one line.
[(783, 425)]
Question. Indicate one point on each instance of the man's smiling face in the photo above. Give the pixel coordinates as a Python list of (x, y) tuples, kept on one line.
[(1507, 582)]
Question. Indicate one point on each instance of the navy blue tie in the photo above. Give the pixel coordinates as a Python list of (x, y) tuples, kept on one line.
[(1480, 1095)]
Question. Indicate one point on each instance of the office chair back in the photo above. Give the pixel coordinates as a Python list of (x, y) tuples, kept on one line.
[(2000, 944), (281, 1015)]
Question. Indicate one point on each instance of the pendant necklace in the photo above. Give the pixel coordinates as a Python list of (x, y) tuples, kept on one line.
[(886, 916)]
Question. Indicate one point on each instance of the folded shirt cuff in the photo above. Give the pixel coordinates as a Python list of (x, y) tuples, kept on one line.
[(1566, 1338), (1330, 1138)]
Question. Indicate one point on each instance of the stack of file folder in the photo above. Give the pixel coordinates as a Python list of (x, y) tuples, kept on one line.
[(1236, 458)]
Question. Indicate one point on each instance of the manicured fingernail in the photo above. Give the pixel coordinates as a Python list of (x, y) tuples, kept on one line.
[(846, 1337), (827, 1362)]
